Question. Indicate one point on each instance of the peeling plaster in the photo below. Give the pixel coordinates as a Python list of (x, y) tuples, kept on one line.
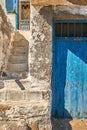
[(77, 10)]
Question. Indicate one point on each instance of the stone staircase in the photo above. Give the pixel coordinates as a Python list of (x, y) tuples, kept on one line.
[(18, 60), (20, 90), (18, 101)]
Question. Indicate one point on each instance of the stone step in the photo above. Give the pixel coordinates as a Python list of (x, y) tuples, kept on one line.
[(21, 43), (19, 54), (17, 67), (16, 62), (7, 95), (18, 59), (20, 50), (16, 90), (17, 95), (22, 103)]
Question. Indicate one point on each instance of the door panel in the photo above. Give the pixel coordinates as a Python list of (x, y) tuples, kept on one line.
[(70, 79)]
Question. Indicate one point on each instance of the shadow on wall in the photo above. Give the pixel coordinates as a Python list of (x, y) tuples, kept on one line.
[(46, 13), (61, 124)]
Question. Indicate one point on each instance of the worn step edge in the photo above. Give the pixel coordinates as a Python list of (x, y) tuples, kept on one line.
[(23, 103)]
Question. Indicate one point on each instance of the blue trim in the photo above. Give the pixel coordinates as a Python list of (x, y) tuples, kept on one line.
[(17, 14), (53, 72), (68, 39), (70, 21)]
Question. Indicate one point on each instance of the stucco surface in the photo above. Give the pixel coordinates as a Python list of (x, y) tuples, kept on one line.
[(51, 2), (41, 44), (59, 2)]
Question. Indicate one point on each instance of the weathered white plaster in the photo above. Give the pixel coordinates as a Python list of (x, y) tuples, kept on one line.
[(75, 10)]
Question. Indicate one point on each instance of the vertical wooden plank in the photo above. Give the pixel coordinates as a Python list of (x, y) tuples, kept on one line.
[(81, 29), (68, 30), (61, 29), (74, 29)]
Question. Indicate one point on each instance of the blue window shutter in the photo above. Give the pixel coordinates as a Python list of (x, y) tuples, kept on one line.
[(10, 6)]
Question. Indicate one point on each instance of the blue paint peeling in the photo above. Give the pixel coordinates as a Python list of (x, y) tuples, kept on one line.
[(69, 77)]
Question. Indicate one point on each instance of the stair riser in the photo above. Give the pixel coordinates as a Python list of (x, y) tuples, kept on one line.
[(18, 59), (19, 52), (20, 44), (17, 67), (19, 95)]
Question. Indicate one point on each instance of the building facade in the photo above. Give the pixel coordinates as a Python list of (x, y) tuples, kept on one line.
[(43, 68)]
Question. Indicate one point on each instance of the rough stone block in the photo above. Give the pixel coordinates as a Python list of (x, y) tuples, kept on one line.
[(34, 126)]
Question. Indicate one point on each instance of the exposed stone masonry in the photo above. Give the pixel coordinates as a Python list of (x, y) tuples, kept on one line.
[(6, 30), (41, 44)]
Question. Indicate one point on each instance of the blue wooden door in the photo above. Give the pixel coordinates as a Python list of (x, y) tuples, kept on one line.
[(70, 70)]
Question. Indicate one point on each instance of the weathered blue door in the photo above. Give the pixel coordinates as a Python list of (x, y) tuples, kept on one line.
[(69, 69)]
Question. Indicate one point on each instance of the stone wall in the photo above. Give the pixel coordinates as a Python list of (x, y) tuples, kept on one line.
[(12, 18), (41, 44), (74, 10), (52, 2), (40, 51), (59, 2), (6, 30)]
